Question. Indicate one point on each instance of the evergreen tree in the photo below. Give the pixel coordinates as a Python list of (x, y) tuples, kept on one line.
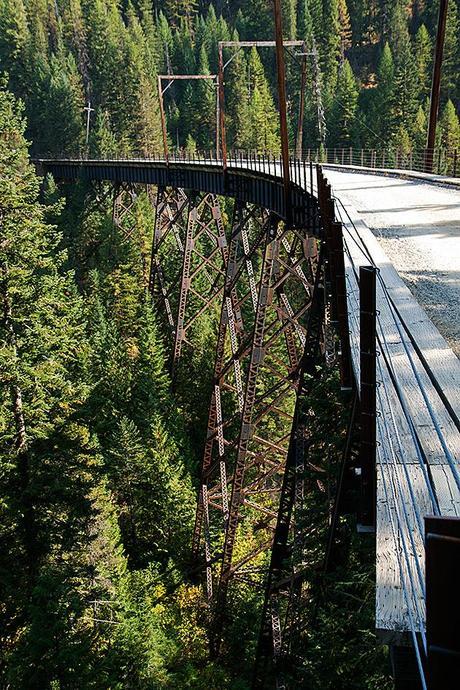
[(345, 29), (407, 86), (449, 127), (263, 118), (451, 56), (204, 111), (305, 21), (330, 45), (423, 51), (14, 39), (344, 108), (237, 102), (420, 129), (289, 12), (48, 457), (60, 125), (166, 44), (384, 98), (181, 12)]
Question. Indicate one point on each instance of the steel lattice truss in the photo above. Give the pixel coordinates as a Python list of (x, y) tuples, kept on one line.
[(265, 286), (124, 199), (262, 279), (189, 258)]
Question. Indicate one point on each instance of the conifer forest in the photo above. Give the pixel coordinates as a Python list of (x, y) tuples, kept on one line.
[(100, 446)]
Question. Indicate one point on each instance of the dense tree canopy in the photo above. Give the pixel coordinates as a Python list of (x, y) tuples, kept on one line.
[(99, 448), (60, 55)]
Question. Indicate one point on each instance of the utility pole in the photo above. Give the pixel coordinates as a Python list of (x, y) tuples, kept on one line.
[(303, 79), (88, 110), (281, 73), (436, 85), (221, 109)]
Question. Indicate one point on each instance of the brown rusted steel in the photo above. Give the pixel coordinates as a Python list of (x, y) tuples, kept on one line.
[(123, 208), (263, 282), (282, 104), (368, 393), (281, 578), (223, 132), (442, 548), (258, 44), (256, 436), (188, 261), (436, 85), (333, 232)]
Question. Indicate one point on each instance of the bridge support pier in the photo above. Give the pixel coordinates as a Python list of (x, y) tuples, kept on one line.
[(267, 298)]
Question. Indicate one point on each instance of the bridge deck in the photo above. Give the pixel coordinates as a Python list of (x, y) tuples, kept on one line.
[(418, 397)]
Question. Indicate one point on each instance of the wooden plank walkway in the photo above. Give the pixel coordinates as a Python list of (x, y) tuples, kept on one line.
[(418, 465)]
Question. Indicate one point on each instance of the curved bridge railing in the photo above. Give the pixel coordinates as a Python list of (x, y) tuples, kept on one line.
[(250, 178)]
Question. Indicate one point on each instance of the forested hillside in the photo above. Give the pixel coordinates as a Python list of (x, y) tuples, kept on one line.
[(99, 448), (374, 57)]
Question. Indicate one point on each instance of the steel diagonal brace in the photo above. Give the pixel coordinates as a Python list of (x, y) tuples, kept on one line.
[(185, 283), (215, 426), (264, 298), (269, 644)]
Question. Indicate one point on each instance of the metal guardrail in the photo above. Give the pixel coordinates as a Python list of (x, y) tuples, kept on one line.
[(444, 161)]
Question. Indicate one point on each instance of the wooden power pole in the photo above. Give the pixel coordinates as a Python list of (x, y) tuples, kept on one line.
[(281, 73), (436, 85)]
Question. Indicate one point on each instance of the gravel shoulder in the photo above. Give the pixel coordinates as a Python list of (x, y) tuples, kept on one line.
[(418, 226)]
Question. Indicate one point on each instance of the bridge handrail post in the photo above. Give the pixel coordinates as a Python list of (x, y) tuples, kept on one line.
[(368, 393), (336, 253), (442, 559)]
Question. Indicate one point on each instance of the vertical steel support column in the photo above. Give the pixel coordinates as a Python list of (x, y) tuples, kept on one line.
[(368, 387), (189, 232), (442, 549), (229, 317), (169, 208)]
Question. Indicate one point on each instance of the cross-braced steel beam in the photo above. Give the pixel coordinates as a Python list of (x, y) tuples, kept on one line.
[(124, 199), (188, 262), (282, 583), (261, 337)]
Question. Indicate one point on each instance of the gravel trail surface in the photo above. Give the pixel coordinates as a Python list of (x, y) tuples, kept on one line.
[(418, 226)]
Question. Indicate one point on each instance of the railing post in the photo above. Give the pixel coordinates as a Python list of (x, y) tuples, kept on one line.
[(442, 553), (368, 389), (455, 162), (340, 289)]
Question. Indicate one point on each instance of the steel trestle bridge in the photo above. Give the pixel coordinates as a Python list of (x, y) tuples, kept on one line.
[(299, 284)]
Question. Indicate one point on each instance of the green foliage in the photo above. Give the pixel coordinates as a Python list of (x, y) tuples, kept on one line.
[(344, 109), (98, 456), (449, 126), (263, 119)]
